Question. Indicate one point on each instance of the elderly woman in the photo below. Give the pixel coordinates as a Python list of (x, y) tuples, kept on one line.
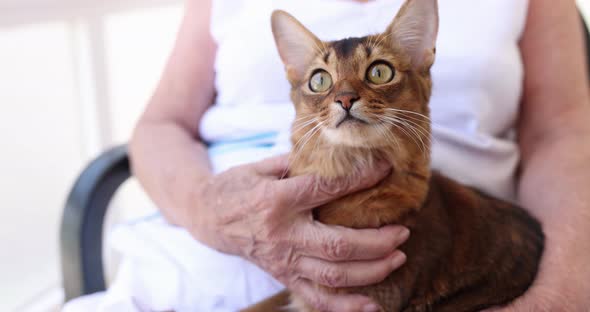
[(511, 105)]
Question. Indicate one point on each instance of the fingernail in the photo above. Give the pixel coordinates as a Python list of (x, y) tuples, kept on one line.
[(404, 234), (398, 259), (371, 307)]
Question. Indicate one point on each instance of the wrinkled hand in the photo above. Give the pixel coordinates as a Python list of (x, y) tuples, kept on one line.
[(268, 220)]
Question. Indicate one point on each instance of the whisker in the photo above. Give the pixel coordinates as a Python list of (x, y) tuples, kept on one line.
[(413, 120), (407, 111), (381, 37), (295, 153), (304, 117), (315, 147), (412, 117), (418, 129), (294, 147), (314, 131), (423, 131), (395, 122), (388, 135), (372, 41), (310, 135), (301, 121), (427, 133), (418, 135), (320, 50), (301, 126)]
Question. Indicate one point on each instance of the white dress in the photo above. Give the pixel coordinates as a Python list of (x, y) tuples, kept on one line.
[(477, 81)]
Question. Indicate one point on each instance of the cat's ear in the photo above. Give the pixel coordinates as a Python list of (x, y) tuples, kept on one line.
[(296, 44), (414, 30)]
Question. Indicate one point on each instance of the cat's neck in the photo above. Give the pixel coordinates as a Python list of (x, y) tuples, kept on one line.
[(408, 182), (327, 160), (334, 161)]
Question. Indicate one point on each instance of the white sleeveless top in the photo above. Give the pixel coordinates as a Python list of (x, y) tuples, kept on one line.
[(477, 77)]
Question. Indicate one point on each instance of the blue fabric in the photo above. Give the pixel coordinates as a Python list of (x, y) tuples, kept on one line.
[(267, 139)]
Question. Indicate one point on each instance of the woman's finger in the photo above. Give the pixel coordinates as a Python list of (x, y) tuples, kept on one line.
[(324, 301), (349, 274), (275, 166), (308, 191), (336, 243)]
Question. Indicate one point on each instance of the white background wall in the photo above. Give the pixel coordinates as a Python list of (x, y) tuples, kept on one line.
[(74, 76), (72, 83), (584, 7)]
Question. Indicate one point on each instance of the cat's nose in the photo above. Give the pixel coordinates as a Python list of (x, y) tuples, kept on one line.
[(346, 99)]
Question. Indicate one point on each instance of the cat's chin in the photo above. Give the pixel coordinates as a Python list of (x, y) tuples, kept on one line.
[(353, 135)]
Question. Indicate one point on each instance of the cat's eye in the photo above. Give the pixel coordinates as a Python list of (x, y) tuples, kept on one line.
[(380, 73), (320, 81)]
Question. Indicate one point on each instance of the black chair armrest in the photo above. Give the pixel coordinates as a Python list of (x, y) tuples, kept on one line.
[(82, 222)]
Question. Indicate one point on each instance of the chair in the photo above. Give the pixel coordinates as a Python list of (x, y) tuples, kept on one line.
[(83, 218)]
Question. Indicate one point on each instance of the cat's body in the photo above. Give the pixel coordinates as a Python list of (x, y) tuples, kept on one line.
[(360, 100), (467, 251)]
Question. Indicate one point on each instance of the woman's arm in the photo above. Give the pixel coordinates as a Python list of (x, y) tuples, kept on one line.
[(554, 136), (167, 156)]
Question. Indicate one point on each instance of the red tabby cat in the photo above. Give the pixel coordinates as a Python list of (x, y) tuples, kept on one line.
[(359, 100)]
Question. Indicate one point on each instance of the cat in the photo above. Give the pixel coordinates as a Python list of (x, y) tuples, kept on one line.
[(360, 100)]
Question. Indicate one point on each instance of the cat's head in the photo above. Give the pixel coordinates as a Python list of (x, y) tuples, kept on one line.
[(369, 92)]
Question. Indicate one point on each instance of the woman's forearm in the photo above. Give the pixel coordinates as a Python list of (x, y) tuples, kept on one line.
[(554, 136), (555, 184), (166, 155), (555, 187), (169, 163)]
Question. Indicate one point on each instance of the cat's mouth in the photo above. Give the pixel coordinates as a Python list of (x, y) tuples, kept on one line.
[(350, 119)]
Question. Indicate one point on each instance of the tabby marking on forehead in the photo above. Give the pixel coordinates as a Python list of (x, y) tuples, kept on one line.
[(344, 48)]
